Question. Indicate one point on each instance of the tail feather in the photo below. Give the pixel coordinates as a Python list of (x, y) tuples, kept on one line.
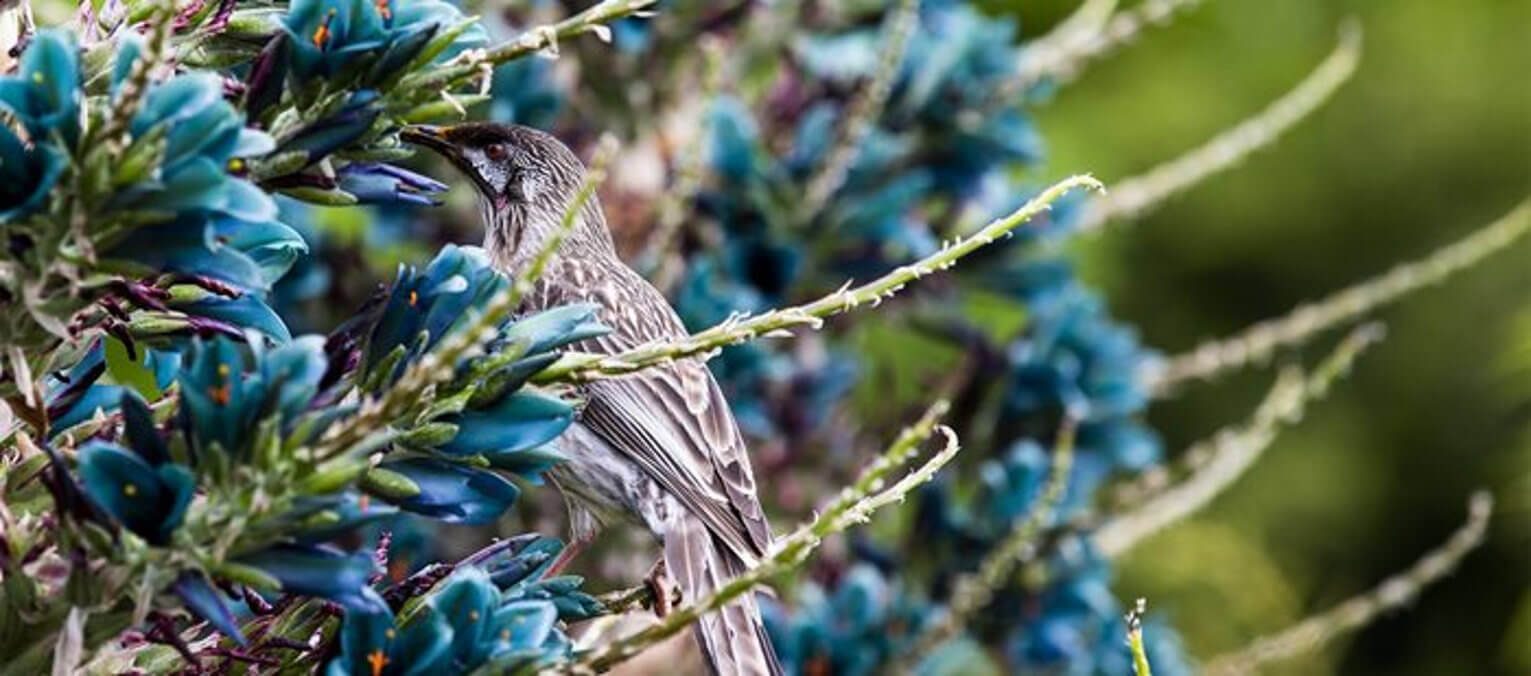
[(733, 639)]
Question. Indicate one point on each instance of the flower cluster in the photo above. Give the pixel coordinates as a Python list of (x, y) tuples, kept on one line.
[(496, 610), (237, 458)]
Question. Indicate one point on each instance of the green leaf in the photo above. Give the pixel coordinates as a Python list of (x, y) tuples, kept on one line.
[(247, 575), (389, 484), (329, 198), (436, 111), (132, 373)]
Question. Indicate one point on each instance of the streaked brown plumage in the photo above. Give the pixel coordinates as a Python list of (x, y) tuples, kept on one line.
[(658, 447)]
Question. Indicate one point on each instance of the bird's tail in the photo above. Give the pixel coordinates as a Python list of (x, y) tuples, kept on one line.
[(733, 639)]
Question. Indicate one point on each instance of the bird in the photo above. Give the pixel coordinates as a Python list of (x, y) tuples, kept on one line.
[(659, 447)]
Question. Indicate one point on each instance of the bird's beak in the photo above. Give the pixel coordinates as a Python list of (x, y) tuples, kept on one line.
[(432, 137)]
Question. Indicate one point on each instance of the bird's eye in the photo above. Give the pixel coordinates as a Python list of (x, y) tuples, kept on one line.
[(495, 151)]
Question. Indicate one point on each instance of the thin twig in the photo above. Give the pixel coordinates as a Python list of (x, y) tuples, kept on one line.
[(974, 592), (438, 365), (575, 367), (854, 505), (1134, 618), (1258, 342), (1233, 451), (1359, 611), (133, 89), (1063, 57), (1134, 196), (540, 39), (864, 111)]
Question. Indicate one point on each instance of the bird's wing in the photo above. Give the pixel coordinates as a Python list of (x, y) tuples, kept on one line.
[(674, 423), (673, 420)]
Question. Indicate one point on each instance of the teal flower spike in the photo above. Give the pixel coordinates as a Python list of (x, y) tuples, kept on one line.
[(142, 490), (26, 175), (45, 95), (205, 138)]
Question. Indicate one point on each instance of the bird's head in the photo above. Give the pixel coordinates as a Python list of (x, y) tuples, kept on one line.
[(525, 180)]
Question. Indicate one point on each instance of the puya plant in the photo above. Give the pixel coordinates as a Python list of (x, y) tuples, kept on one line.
[(182, 477)]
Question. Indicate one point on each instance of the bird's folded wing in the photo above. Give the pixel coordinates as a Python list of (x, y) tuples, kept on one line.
[(674, 423)]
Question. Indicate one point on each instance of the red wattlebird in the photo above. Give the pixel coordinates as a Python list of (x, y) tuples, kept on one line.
[(658, 447)]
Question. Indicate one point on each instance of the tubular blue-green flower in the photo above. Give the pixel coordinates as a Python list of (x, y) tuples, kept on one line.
[(145, 492), (45, 94), (248, 255), (518, 422), (454, 493), (27, 174), (318, 570), (205, 137), (325, 36), (372, 645), (206, 602), (222, 400), (338, 130), (377, 183)]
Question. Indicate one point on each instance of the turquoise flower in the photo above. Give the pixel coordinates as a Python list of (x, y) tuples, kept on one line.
[(465, 624), (452, 492), (248, 255), (322, 571), (27, 174), (405, 18), (205, 138), (222, 400), (348, 124), (331, 37), (45, 94), (138, 486), (327, 35), (377, 183)]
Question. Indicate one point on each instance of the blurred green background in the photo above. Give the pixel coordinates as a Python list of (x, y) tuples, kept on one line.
[(1431, 139)]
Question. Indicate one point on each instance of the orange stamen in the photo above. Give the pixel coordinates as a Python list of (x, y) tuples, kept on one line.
[(377, 659), (220, 394), (413, 298), (322, 34), (385, 10)]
